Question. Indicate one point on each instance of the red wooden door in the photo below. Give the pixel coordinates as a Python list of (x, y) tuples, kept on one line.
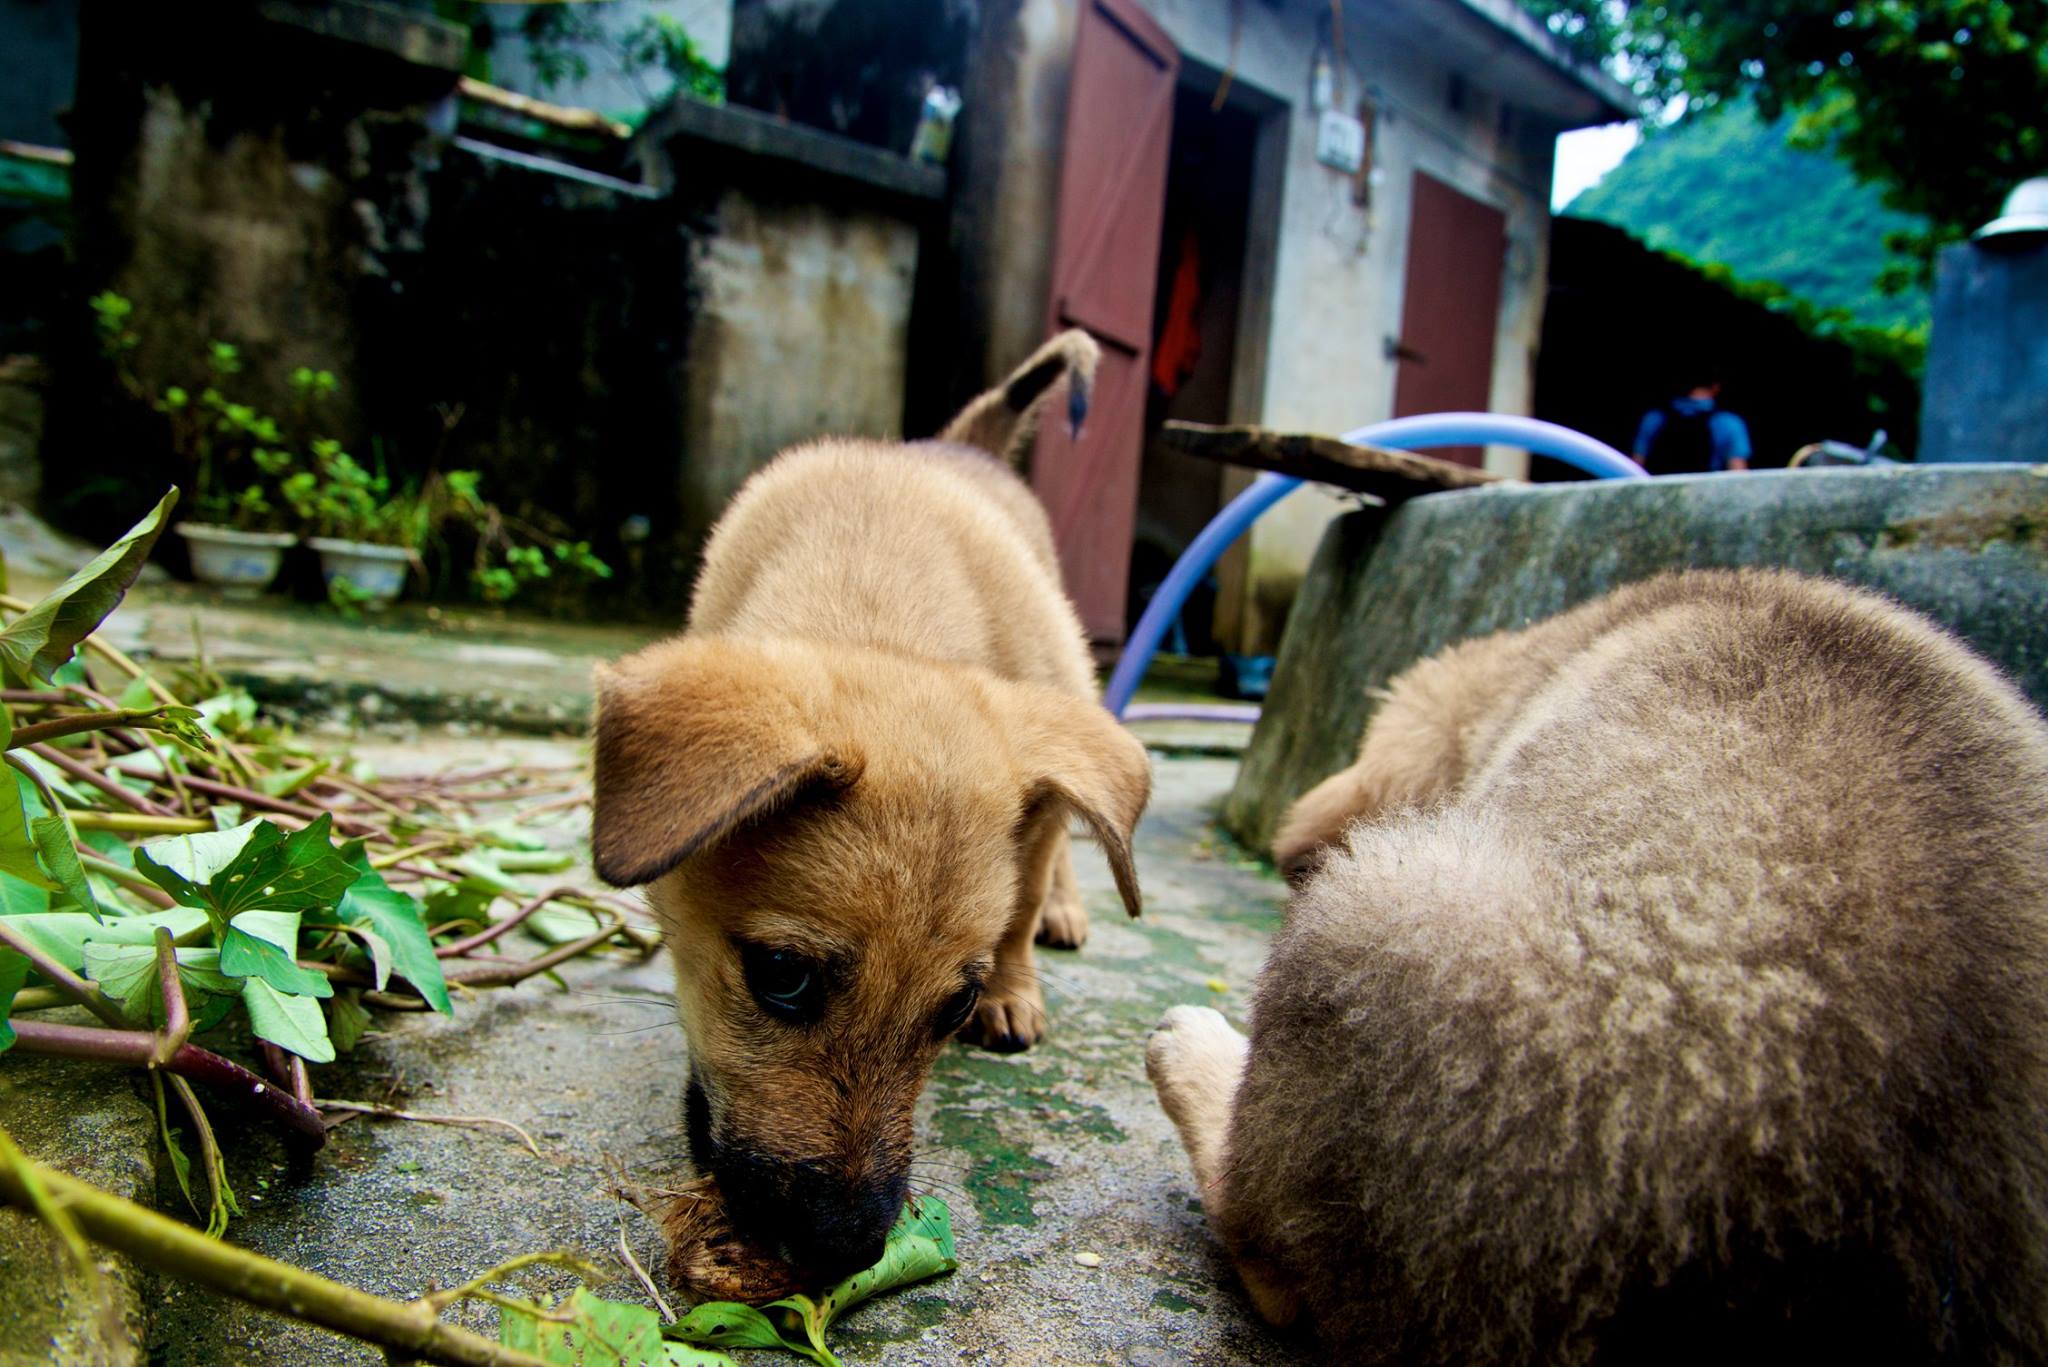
[(1105, 260), (1450, 312)]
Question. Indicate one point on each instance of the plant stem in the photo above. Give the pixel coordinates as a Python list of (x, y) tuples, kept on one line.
[(177, 1018), (249, 797), (498, 928), (65, 981), (393, 1113), (86, 774), (409, 1329), (140, 823), (82, 722), (29, 697), (106, 868), (510, 975), (136, 1047), (42, 999)]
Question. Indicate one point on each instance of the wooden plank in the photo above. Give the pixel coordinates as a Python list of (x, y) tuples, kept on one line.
[(1390, 475)]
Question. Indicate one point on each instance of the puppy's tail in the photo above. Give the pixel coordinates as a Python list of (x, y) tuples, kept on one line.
[(1003, 420)]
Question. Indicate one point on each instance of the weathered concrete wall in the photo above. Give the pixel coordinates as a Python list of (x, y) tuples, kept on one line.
[(801, 330), (1987, 360), (802, 276), (540, 341), (613, 355), (254, 189), (1337, 288), (256, 182), (1968, 545), (22, 382)]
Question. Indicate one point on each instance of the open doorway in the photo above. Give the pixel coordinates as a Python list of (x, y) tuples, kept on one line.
[(1210, 313)]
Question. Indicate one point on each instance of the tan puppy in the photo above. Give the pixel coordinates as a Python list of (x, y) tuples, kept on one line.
[(1683, 996), (849, 784)]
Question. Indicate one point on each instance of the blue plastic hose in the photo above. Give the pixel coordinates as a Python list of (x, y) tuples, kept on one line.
[(1575, 449)]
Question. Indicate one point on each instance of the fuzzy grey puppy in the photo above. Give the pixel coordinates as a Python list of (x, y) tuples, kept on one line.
[(1669, 982)]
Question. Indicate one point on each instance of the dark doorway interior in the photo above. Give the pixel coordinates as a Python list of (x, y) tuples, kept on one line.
[(1194, 336)]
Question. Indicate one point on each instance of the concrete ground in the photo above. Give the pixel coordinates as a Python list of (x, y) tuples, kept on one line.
[(1042, 1156)]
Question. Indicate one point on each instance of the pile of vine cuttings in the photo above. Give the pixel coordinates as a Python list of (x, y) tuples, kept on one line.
[(196, 879)]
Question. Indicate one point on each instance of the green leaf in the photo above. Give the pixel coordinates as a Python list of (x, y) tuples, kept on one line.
[(20, 898), (56, 842), (243, 955), (379, 950), (63, 935), (287, 782), (600, 1333), (730, 1323), (468, 900), (17, 846), (481, 867), (181, 1166), (398, 919), (184, 725), (127, 973), (290, 1022), (13, 973), (346, 1019), (34, 645), (920, 1246), (251, 867)]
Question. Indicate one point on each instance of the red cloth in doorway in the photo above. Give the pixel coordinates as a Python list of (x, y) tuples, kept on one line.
[(1180, 341)]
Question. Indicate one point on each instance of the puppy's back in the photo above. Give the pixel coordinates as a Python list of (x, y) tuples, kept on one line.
[(1705, 1016), (930, 550)]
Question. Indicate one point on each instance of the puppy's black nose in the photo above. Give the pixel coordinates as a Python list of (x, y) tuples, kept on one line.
[(838, 1227), (824, 1223)]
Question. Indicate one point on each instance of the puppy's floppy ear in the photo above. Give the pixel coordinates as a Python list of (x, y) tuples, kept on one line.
[(695, 738), (1003, 420), (1073, 753)]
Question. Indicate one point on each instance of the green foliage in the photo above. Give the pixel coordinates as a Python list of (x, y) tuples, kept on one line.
[(42, 640), (1938, 102), (266, 921), (657, 55), (919, 1247), (13, 973), (381, 915), (254, 475), (1727, 189), (337, 496), (238, 455)]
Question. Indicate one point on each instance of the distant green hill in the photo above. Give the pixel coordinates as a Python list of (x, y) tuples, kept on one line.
[(1725, 188)]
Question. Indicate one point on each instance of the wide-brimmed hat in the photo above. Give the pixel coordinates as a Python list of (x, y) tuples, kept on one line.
[(2025, 212)]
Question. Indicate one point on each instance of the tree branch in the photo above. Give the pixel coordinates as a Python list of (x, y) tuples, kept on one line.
[(409, 1329)]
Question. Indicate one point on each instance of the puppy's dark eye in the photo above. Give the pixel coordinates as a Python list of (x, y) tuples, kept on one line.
[(785, 984), (957, 1009)]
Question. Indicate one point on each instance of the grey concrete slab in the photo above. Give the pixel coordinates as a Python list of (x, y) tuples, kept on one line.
[(104, 1132)]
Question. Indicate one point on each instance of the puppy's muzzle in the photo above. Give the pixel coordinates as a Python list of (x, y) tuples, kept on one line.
[(819, 1216)]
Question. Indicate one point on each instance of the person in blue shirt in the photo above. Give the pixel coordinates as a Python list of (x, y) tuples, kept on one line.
[(1691, 434)]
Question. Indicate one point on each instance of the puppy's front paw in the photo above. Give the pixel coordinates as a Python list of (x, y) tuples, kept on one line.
[(1195, 1060), (1063, 922), (1009, 1019)]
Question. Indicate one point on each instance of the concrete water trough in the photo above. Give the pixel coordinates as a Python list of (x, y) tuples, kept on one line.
[(1965, 544)]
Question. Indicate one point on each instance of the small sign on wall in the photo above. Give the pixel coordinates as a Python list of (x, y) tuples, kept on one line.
[(1340, 142)]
